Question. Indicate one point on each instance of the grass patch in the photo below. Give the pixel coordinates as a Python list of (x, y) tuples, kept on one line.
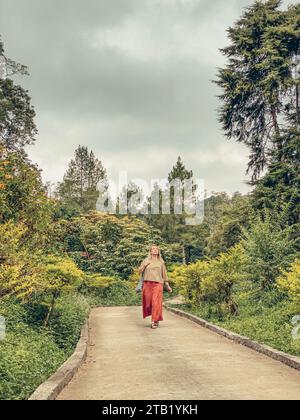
[(265, 318), (30, 353)]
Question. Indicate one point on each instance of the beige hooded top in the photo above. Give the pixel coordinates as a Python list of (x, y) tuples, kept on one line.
[(154, 270)]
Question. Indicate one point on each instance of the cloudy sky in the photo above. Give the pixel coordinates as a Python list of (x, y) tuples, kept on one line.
[(130, 79)]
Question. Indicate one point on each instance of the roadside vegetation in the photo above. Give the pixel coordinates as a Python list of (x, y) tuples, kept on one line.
[(240, 268)]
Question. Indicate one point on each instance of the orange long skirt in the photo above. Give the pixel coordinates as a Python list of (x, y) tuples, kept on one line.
[(153, 300)]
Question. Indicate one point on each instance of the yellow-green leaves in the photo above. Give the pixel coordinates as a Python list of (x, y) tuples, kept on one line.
[(289, 282), (224, 272), (62, 273), (21, 273), (94, 281), (212, 279)]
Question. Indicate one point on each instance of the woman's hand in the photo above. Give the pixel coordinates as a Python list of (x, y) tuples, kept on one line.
[(168, 288)]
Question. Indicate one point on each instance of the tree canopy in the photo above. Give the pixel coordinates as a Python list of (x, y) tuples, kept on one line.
[(80, 184), (260, 83), (17, 126)]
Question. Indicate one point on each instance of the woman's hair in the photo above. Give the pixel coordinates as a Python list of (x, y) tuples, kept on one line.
[(159, 253)]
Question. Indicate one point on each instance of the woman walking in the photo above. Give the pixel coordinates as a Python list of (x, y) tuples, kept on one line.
[(154, 273)]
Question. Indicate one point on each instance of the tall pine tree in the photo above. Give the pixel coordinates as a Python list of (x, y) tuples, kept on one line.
[(79, 186), (259, 88), (172, 226)]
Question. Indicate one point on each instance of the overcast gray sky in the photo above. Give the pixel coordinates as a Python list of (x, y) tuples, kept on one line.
[(130, 79)]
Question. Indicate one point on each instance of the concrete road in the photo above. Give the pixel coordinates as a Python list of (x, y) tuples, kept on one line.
[(180, 360)]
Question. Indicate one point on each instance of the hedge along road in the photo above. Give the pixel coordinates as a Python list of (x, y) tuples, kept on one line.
[(180, 360)]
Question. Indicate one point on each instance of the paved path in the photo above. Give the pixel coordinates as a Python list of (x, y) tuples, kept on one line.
[(180, 360)]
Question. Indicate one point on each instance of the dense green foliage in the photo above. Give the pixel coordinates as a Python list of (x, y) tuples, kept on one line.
[(17, 127), (108, 244), (31, 353), (279, 189), (20, 271), (187, 240), (289, 282), (79, 188), (248, 277), (260, 90), (23, 197), (269, 249), (109, 291), (226, 218), (239, 268), (212, 280)]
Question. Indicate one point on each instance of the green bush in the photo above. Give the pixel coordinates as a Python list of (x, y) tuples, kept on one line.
[(71, 311), (224, 272), (27, 358), (269, 250), (109, 245), (30, 353), (62, 276), (109, 291), (21, 272), (212, 279), (188, 279), (289, 282)]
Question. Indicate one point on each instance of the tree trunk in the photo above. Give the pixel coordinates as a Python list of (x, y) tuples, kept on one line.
[(275, 122), (297, 106), (46, 322), (233, 306), (183, 255), (277, 132), (229, 301)]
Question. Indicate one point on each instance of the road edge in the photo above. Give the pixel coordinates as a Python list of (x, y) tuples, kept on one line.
[(287, 359), (52, 387)]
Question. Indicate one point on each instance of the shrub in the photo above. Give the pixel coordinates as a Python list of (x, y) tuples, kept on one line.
[(71, 311), (62, 275), (109, 245), (269, 249), (172, 273), (109, 291), (289, 282), (223, 273), (30, 353), (94, 282), (27, 358), (188, 279), (21, 273), (212, 280)]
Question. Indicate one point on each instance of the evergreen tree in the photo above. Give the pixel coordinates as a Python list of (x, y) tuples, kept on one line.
[(23, 196), (179, 171), (172, 226), (279, 189), (130, 200), (269, 249), (226, 228), (79, 186), (17, 127), (292, 43), (260, 92)]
